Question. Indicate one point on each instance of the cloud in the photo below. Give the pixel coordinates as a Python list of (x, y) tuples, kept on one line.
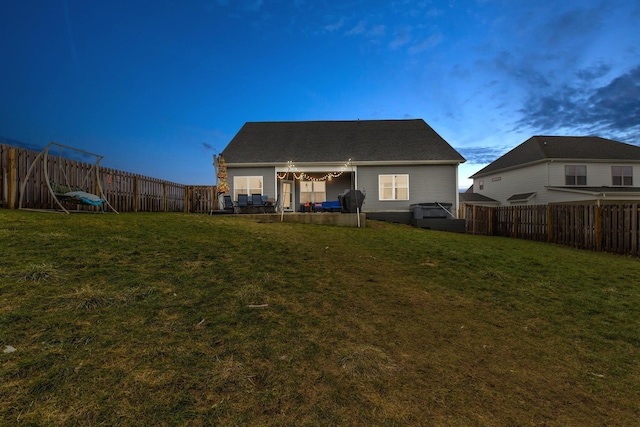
[(429, 43), (377, 31), (401, 38), (594, 72), (335, 26), (612, 110), (482, 155), (360, 28), (460, 71), (16, 143), (252, 5), (573, 24)]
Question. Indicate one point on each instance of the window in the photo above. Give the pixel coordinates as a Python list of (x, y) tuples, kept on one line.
[(621, 175), (393, 187), (575, 175), (313, 191), (481, 185), (246, 185)]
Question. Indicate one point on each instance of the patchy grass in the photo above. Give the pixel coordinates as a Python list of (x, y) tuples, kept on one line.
[(172, 319)]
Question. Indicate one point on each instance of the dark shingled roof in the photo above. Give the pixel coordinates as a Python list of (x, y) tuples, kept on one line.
[(539, 148), (469, 196), (519, 197), (338, 141)]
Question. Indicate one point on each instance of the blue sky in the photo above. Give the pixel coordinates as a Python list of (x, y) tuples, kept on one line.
[(159, 86)]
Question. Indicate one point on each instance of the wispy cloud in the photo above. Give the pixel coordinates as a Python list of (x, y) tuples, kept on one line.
[(612, 110), (360, 28), (377, 31), (482, 155), (573, 24), (432, 41), (335, 26), (401, 37), (252, 5)]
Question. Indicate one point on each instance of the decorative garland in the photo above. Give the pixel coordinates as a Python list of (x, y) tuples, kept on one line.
[(301, 176)]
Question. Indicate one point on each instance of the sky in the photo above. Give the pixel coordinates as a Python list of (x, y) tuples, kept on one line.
[(159, 86)]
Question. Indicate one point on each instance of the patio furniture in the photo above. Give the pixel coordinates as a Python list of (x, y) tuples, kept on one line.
[(331, 206), (243, 203), (228, 203), (256, 203)]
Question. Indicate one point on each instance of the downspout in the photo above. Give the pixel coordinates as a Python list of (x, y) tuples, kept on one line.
[(456, 209), (355, 179)]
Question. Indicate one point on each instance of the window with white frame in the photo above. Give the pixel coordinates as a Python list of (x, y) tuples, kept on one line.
[(621, 175), (393, 187), (247, 185), (575, 175), (313, 191)]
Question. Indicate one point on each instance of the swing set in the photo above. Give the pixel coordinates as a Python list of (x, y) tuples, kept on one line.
[(60, 188)]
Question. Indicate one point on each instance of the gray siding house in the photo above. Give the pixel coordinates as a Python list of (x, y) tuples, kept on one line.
[(559, 169), (395, 163)]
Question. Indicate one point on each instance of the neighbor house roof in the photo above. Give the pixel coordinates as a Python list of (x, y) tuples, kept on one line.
[(539, 148), (470, 197), (339, 141)]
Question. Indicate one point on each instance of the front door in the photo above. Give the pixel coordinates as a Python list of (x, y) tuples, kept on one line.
[(286, 190)]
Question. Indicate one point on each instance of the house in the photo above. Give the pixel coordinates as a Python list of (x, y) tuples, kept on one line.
[(559, 169), (395, 163)]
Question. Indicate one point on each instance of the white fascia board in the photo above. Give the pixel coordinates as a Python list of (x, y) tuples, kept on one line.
[(325, 166), (594, 193)]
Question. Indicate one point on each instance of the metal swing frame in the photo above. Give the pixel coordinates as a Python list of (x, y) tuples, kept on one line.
[(44, 154)]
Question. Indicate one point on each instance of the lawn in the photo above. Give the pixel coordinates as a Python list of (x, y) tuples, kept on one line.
[(178, 319)]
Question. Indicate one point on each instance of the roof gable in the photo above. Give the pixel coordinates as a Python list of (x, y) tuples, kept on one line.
[(539, 148), (338, 141)]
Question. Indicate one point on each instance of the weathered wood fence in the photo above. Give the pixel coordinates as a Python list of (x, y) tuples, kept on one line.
[(610, 228), (126, 191)]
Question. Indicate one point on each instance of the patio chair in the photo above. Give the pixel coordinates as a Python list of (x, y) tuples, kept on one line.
[(243, 203), (228, 203), (256, 203)]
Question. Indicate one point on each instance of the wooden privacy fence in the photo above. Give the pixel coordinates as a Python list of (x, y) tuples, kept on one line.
[(127, 192), (609, 228)]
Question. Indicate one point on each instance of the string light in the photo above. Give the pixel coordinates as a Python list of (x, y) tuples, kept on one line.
[(302, 176)]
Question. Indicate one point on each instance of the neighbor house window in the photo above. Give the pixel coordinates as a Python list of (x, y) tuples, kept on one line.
[(246, 185), (393, 187), (481, 185), (313, 191), (621, 175), (575, 175)]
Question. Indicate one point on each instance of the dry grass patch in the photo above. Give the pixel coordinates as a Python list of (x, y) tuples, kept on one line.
[(37, 273), (367, 362)]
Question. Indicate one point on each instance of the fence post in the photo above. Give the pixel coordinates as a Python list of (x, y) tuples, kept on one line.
[(12, 179), (598, 228), (136, 194), (634, 229), (515, 221), (490, 219), (549, 224), (187, 199), (164, 196), (473, 221)]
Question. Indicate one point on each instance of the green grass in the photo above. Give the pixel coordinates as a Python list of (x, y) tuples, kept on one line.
[(175, 319)]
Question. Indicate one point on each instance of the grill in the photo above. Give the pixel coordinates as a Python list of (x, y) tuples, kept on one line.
[(351, 200)]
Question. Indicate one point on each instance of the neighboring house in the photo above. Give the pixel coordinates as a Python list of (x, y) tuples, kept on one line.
[(395, 163), (559, 169)]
